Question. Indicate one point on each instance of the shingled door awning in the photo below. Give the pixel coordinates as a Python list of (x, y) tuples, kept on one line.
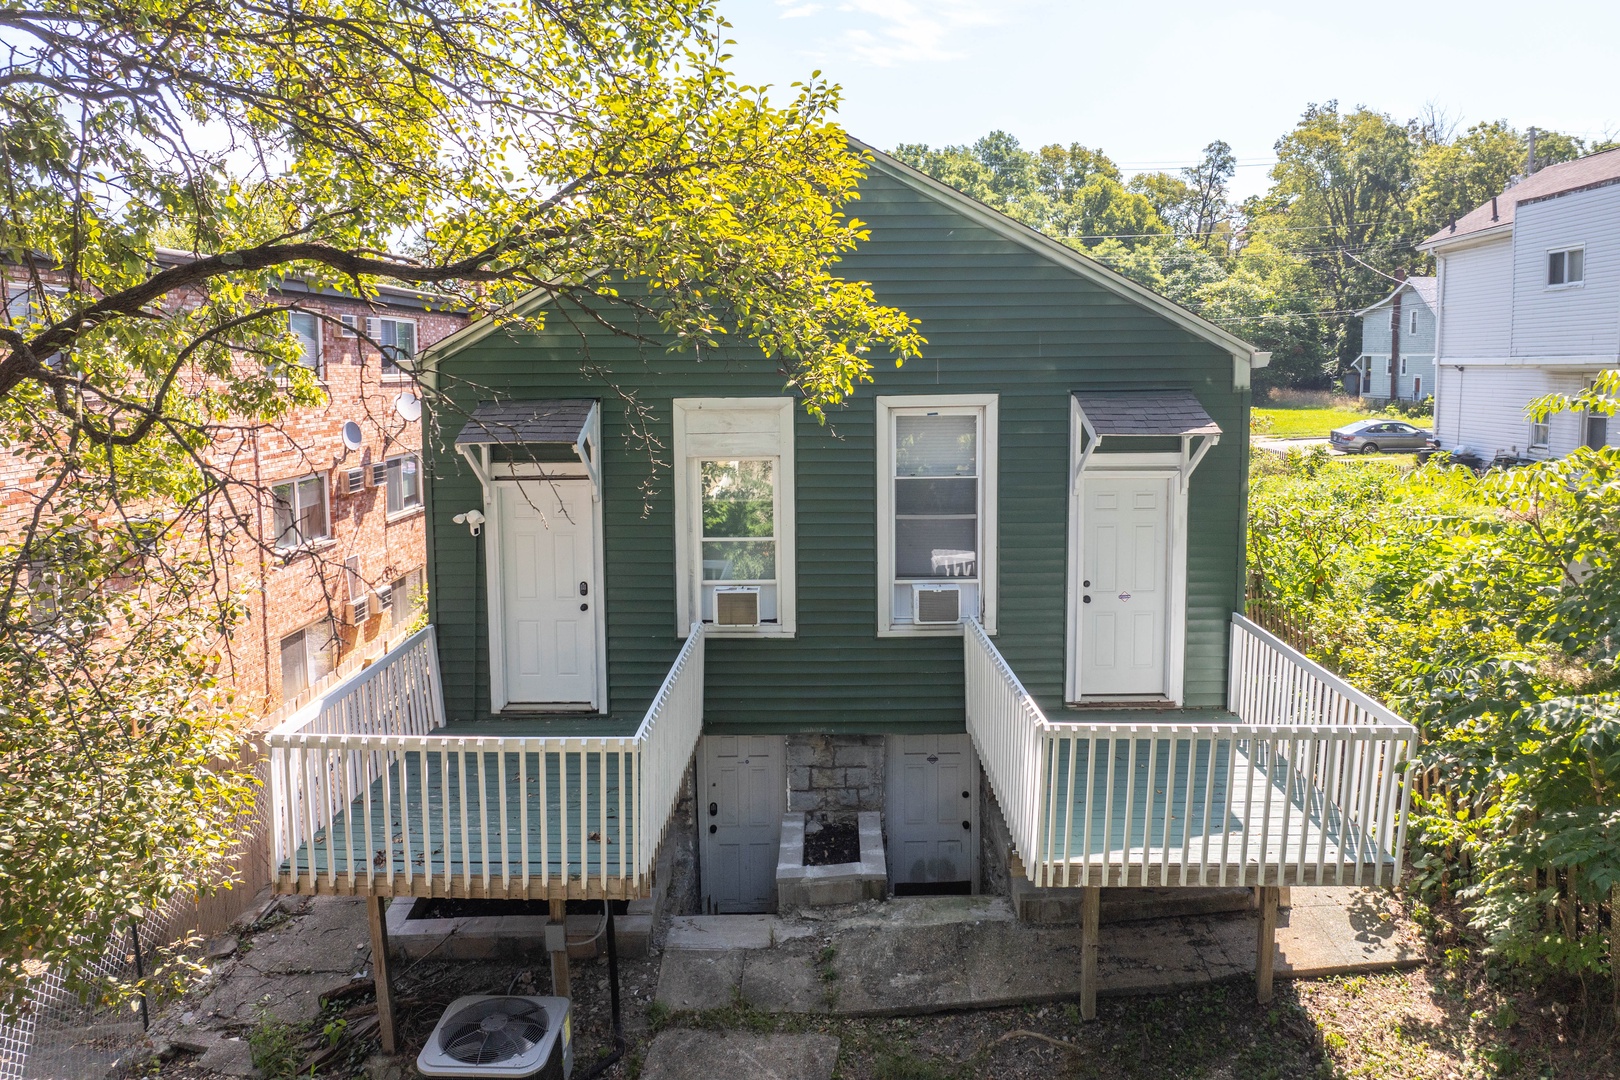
[(572, 423), (1144, 414)]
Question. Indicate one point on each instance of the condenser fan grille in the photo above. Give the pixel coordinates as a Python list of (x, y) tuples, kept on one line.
[(494, 1031)]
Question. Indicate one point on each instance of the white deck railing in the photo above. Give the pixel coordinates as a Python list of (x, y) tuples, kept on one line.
[(368, 796), (1307, 789)]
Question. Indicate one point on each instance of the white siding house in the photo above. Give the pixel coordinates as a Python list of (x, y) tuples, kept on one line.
[(1411, 367), (1529, 304)]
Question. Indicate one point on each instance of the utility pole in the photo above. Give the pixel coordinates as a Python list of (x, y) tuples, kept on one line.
[(1395, 339), (1530, 158)]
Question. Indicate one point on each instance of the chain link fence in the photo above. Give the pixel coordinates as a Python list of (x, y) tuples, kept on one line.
[(63, 1035)]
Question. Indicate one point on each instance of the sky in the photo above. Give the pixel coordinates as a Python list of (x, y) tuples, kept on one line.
[(1152, 85)]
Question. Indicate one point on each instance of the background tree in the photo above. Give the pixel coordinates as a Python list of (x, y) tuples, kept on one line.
[(475, 148)]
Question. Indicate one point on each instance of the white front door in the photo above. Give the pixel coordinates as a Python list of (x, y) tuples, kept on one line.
[(550, 604), (742, 796), (1124, 586), (931, 808)]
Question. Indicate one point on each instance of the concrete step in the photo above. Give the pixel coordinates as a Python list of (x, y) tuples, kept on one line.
[(633, 934)]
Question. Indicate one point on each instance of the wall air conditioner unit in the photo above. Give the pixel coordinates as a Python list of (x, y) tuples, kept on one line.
[(354, 482), (359, 611), (485, 1037), (379, 474), (736, 605), (936, 605), (348, 326)]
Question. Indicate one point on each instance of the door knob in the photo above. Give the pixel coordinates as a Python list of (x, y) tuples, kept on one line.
[(968, 825), (965, 795), (713, 829), (584, 607), (1086, 599)]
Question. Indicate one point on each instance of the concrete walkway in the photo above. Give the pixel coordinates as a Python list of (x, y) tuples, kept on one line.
[(931, 954)]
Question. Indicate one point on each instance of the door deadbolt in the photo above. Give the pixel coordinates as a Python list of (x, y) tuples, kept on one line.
[(1085, 584), (585, 588), (965, 795), (714, 809)]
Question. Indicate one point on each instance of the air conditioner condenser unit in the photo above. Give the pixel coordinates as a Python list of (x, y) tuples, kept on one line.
[(483, 1037), (936, 605)]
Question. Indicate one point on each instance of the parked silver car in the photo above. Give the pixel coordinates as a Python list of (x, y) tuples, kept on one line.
[(1371, 436)]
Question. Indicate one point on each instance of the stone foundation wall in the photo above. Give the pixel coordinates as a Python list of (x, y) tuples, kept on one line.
[(995, 840), (835, 773)]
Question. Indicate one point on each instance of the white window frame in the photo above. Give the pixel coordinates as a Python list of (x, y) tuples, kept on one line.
[(318, 627), (1544, 429), (1413, 322), (728, 429), (1403, 365), (317, 363), (985, 407), (389, 369), (393, 466), (304, 543), (1546, 267)]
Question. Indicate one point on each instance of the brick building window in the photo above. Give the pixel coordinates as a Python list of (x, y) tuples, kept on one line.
[(397, 337), (307, 656), (404, 483), (402, 596), (307, 328), (301, 516)]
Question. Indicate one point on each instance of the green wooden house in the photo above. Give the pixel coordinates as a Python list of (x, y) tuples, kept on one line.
[(996, 600)]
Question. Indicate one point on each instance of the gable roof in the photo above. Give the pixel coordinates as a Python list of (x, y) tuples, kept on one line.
[(561, 420), (997, 222), (1594, 170), (1427, 289)]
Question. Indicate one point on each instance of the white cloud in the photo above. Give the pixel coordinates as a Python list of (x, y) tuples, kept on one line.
[(901, 32)]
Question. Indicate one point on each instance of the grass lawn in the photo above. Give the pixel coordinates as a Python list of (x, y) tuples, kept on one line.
[(1302, 423)]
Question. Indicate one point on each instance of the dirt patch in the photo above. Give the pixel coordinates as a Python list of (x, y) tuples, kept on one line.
[(837, 841)]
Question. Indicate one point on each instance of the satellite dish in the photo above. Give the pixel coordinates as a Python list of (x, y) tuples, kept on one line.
[(409, 406), (352, 435)]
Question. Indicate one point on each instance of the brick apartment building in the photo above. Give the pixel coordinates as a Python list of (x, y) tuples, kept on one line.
[(339, 562)]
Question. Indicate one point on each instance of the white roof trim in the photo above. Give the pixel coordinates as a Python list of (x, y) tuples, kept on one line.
[(1476, 236), (1391, 295)]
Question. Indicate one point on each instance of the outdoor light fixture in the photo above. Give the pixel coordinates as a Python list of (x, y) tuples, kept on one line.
[(473, 519)]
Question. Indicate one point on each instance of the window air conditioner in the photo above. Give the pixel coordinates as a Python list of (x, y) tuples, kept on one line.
[(359, 611), (355, 482), (736, 605), (936, 605), (348, 326), (379, 474)]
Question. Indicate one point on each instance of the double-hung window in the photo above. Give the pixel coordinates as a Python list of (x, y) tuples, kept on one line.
[(936, 513), (307, 328), (397, 339), (1566, 268), (300, 512), (1540, 435), (734, 498), (404, 479), (307, 657)]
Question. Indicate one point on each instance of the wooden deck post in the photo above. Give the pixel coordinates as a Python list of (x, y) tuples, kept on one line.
[(377, 909), (1265, 943), (1090, 914)]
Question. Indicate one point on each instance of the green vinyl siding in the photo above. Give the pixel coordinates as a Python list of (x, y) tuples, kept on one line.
[(1000, 319)]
